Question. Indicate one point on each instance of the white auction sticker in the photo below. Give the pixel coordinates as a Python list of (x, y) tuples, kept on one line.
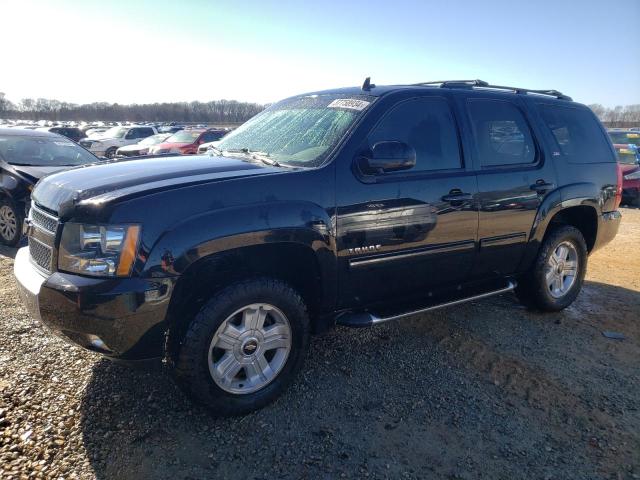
[(349, 103)]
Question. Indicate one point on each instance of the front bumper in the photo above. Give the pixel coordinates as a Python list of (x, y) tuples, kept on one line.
[(121, 318)]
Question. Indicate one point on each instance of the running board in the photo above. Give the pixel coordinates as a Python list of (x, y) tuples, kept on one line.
[(368, 319)]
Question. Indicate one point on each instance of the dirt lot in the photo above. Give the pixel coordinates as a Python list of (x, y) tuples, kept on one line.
[(483, 390)]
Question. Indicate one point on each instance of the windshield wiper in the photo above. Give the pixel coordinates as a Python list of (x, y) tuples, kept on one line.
[(262, 156)]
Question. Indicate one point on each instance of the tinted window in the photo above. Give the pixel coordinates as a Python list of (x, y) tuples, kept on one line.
[(577, 133), (428, 126), (42, 151), (502, 136), (212, 136)]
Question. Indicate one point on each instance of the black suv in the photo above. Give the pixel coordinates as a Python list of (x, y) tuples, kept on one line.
[(353, 206)]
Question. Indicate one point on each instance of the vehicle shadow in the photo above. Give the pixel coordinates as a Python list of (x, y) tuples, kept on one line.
[(391, 401), (9, 252)]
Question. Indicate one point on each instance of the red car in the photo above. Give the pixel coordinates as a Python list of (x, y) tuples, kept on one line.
[(186, 142), (629, 162)]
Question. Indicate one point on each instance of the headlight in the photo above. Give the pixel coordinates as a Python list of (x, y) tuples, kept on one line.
[(633, 176), (99, 250)]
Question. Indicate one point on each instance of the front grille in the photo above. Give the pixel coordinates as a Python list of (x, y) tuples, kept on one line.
[(41, 254), (42, 236), (43, 220)]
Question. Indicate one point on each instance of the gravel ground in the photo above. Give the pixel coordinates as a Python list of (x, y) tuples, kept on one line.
[(482, 390)]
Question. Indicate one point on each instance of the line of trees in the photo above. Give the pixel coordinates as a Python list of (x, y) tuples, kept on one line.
[(216, 111), (628, 116)]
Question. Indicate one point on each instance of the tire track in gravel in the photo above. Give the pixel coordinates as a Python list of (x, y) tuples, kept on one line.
[(567, 412)]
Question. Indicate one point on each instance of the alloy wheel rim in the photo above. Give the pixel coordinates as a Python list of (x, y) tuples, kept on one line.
[(250, 348), (562, 269), (8, 223)]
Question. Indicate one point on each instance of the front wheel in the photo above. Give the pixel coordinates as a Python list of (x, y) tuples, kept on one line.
[(11, 220), (556, 278), (111, 152), (244, 347)]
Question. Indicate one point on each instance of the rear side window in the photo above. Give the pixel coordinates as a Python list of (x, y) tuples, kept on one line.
[(577, 133), (501, 133), (427, 125)]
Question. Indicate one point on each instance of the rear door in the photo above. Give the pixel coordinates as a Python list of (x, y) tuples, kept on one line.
[(514, 177), (401, 234)]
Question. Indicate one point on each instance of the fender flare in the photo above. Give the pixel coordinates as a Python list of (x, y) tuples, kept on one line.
[(572, 195), (218, 231)]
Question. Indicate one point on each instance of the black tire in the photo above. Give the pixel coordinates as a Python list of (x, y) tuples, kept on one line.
[(191, 364), (18, 215), (533, 291), (111, 152), (635, 201)]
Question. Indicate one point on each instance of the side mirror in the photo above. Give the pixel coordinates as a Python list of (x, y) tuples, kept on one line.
[(388, 156)]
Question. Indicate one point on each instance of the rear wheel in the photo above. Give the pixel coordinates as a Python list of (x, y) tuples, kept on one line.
[(11, 220), (556, 278), (244, 347)]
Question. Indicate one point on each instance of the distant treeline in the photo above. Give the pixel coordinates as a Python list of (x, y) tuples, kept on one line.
[(216, 111), (619, 116)]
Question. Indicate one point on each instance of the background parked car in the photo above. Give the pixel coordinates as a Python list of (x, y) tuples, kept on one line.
[(205, 147), (629, 161), (72, 133), (186, 142), (170, 129), (622, 137), (142, 147), (25, 157), (106, 144)]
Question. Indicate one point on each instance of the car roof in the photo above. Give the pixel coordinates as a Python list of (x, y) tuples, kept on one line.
[(450, 85), (23, 132)]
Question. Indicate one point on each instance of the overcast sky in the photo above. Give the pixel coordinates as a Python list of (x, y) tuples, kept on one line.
[(153, 51)]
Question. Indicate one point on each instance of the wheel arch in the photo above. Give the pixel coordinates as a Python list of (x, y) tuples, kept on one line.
[(577, 205), (294, 263)]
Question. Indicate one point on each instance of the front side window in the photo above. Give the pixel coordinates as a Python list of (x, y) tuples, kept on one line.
[(427, 125), (43, 151), (301, 131), (577, 134), (502, 136)]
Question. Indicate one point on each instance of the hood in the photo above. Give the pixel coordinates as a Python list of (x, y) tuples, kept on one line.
[(37, 172), (106, 182)]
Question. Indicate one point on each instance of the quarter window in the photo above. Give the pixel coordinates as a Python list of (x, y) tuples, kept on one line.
[(577, 133), (501, 134), (427, 125)]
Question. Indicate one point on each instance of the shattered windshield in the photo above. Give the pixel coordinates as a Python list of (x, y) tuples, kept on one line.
[(298, 132)]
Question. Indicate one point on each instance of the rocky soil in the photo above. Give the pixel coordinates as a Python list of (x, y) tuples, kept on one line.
[(483, 390)]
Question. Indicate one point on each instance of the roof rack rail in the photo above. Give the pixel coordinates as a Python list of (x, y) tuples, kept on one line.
[(483, 84)]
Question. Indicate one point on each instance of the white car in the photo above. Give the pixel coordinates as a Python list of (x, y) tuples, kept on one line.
[(205, 147), (107, 143)]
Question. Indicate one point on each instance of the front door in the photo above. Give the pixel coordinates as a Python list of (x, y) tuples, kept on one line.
[(401, 234)]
